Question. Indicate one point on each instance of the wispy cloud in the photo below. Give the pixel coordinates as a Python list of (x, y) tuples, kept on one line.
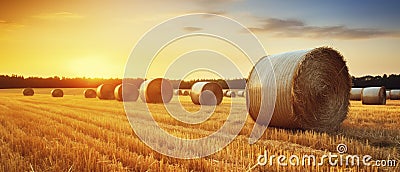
[(59, 15), (10, 26), (298, 28), (192, 29)]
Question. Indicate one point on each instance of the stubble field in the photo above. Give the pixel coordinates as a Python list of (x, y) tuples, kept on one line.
[(42, 133)]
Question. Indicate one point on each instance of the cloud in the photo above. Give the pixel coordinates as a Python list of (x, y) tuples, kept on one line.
[(297, 28), (10, 26), (191, 29), (59, 15)]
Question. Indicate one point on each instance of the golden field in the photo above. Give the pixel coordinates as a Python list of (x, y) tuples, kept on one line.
[(42, 133)]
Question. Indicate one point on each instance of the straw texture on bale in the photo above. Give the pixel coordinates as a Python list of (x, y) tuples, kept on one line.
[(313, 89), (90, 93), (126, 92), (206, 93), (28, 92), (157, 90), (241, 93), (57, 93), (105, 92), (387, 95), (355, 94), (230, 94), (395, 95), (374, 96)]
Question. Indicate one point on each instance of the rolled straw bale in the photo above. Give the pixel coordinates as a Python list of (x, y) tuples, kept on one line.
[(28, 92), (90, 93), (57, 93), (355, 94), (186, 93), (395, 95), (374, 96), (105, 92), (157, 90), (126, 92), (312, 86), (178, 92), (225, 91), (241, 93), (387, 95), (206, 93), (230, 94)]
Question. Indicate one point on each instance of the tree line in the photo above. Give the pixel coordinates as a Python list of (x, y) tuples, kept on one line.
[(16, 81)]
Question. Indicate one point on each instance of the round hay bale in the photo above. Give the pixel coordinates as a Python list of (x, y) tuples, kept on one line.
[(374, 96), (57, 93), (230, 94), (89, 93), (105, 92), (206, 93), (178, 92), (355, 94), (157, 90), (395, 95), (126, 92), (312, 87), (241, 93), (28, 92), (225, 91), (387, 95), (186, 93)]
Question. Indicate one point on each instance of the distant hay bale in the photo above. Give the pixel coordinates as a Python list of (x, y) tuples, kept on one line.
[(387, 95), (374, 96), (206, 93), (126, 92), (89, 93), (156, 91), (355, 94), (225, 91), (312, 87), (230, 94), (28, 92), (395, 95), (105, 92), (178, 92), (241, 93), (186, 93), (57, 93)]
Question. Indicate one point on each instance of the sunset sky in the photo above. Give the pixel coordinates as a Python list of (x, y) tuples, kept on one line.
[(95, 38)]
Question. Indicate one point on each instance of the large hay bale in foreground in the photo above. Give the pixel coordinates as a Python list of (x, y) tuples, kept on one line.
[(241, 93), (395, 95), (374, 96), (313, 89), (28, 92), (206, 93), (89, 93), (157, 90), (57, 93), (355, 94), (105, 92), (126, 92)]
